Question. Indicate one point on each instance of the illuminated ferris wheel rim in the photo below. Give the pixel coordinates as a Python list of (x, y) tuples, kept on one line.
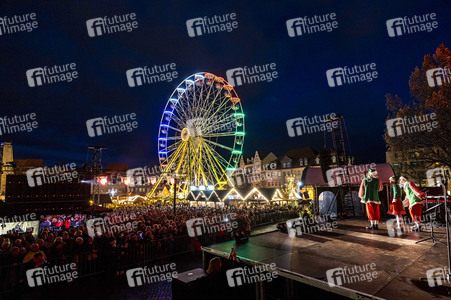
[(201, 132)]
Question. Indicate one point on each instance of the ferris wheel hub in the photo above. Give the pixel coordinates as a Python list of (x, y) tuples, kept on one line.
[(185, 134)]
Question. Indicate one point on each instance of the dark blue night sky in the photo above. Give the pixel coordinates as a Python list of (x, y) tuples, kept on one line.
[(301, 88)]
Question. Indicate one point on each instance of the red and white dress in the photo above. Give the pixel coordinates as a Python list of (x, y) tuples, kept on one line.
[(396, 208)]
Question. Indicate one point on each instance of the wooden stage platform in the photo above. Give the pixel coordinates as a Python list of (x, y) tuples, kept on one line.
[(399, 261)]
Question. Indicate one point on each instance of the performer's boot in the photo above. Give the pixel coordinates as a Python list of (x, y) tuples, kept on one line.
[(375, 226), (399, 222), (371, 227), (415, 227)]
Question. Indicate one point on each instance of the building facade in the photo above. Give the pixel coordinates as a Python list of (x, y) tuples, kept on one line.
[(266, 170), (415, 165)]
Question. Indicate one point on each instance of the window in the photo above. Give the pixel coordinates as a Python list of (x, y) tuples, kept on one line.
[(305, 161), (317, 160), (301, 162)]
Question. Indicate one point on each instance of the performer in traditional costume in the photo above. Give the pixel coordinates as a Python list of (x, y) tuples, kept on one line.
[(415, 198), (396, 208), (369, 193)]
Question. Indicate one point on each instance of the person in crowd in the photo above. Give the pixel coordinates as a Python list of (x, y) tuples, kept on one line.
[(35, 262), (57, 250), (13, 257), (90, 249), (78, 249), (214, 266), (34, 249)]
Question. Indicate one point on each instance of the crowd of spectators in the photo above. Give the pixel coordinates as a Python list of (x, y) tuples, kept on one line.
[(151, 231), (60, 222)]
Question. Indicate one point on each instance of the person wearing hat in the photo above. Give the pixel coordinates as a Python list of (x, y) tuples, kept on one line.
[(369, 193), (396, 208), (415, 199)]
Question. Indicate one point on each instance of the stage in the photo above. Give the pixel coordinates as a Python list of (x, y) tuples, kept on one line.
[(399, 262)]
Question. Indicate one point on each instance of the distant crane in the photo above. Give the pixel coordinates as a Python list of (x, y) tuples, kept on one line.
[(96, 170), (341, 158)]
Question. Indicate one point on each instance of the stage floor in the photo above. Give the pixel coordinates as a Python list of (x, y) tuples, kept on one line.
[(400, 262)]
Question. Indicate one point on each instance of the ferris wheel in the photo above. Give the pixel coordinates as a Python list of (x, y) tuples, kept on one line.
[(201, 133)]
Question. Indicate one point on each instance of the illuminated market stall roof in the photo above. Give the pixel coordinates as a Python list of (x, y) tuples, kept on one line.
[(221, 194), (193, 195), (210, 196), (241, 194), (278, 195)]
